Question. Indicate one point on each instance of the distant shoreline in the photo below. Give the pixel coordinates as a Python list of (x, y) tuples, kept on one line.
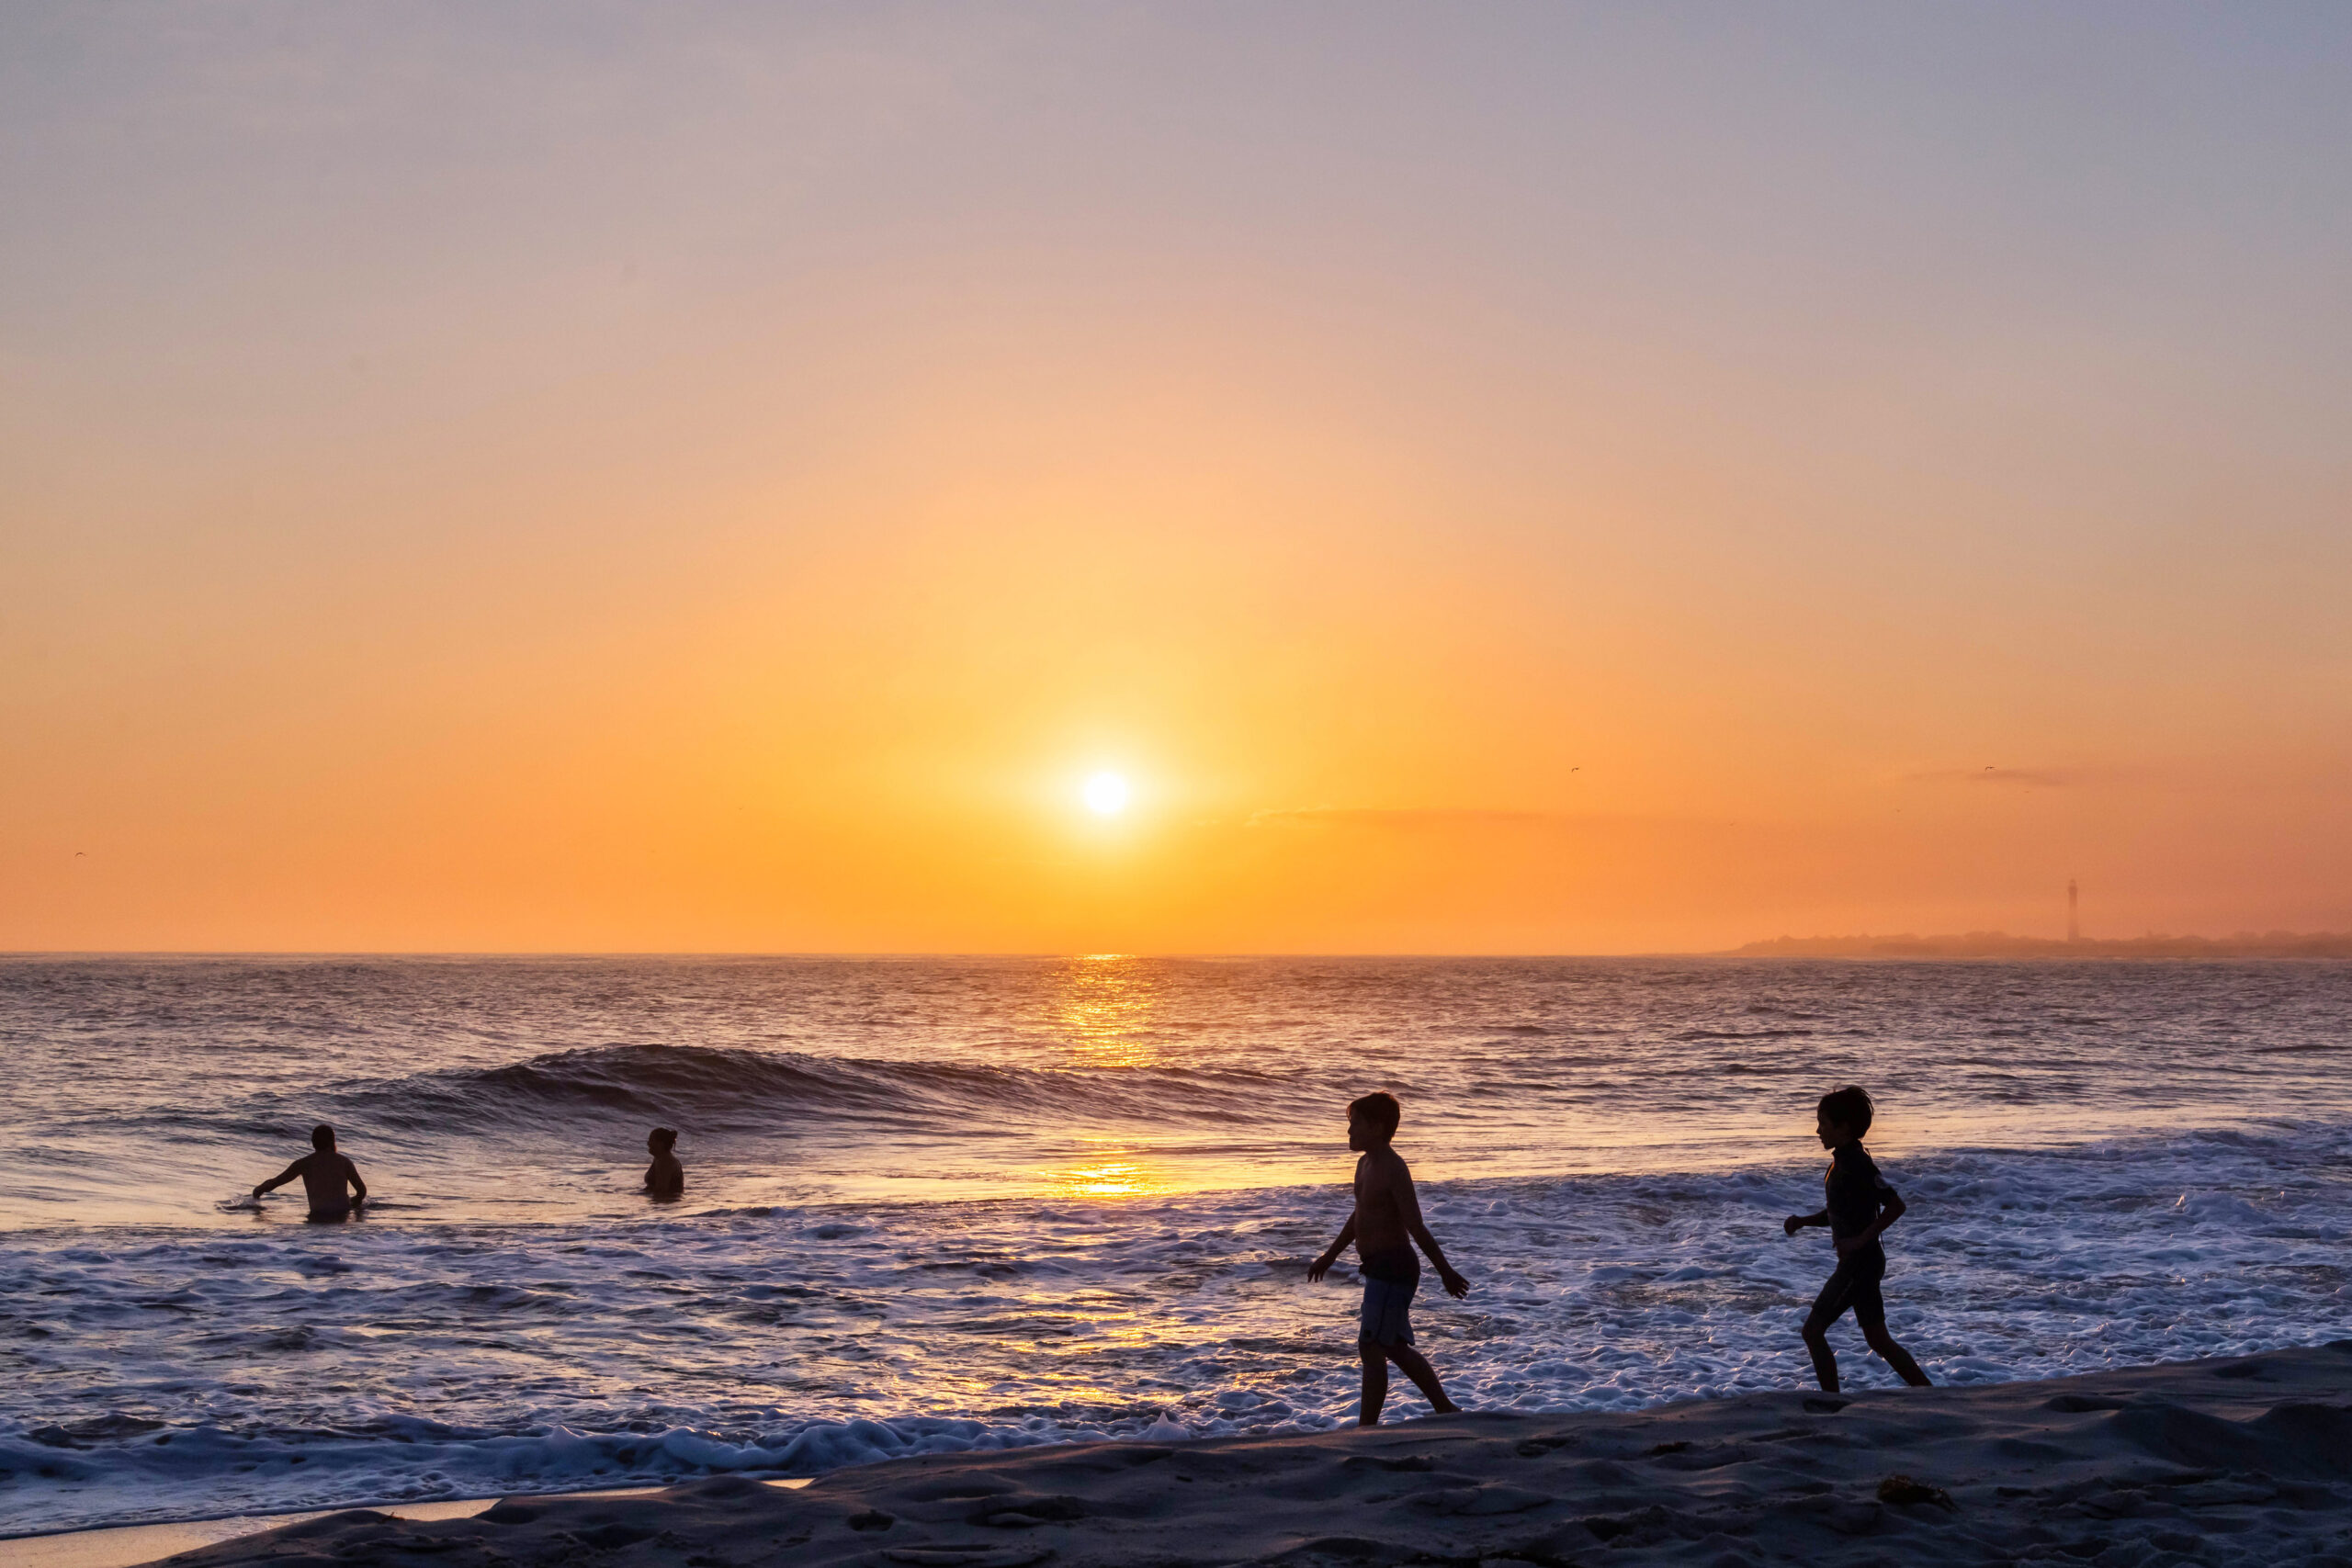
[(2001, 945)]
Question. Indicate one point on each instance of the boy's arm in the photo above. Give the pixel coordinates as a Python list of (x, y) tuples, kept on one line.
[(1890, 1209), (281, 1180), (1322, 1266), (1796, 1223), (357, 1186), (1408, 1205)]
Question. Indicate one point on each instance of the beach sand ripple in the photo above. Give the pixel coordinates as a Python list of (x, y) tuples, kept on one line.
[(2243, 1461)]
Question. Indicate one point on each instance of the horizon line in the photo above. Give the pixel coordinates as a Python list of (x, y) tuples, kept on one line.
[(1745, 951)]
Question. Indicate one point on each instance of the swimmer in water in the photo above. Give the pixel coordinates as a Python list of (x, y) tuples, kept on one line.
[(325, 1174), (665, 1179)]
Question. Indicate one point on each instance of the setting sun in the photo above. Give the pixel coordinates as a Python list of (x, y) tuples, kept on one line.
[(1106, 795)]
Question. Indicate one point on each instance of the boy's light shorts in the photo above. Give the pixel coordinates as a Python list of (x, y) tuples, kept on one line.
[(1387, 1311)]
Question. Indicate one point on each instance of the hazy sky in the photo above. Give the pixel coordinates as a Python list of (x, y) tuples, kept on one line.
[(1495, 477)]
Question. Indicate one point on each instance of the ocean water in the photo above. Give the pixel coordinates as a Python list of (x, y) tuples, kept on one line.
[(941, 1205)]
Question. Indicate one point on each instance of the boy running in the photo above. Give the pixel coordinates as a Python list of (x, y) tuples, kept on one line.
[(1859, 1207), (1387, 1214)]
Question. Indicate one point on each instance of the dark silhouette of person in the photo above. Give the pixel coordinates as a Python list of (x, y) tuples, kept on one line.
[(325, 1174), (1859, 1207), (1387, 1214), (665, 1179)]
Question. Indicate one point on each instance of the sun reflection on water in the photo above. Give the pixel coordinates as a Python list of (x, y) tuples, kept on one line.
[(1103, 1010), (1115, 1170)]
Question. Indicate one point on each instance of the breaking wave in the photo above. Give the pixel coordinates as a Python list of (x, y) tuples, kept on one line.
[(721, 1089)]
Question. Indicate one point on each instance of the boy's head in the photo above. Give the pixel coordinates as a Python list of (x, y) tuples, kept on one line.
[(1843, 1116), (662, 1140), (322, 1138), (1372, 1120)]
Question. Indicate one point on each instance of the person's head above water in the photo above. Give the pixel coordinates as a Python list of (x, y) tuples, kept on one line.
[(662, 1140), (322, 1138), (1372, 1120), (1843, 1116)]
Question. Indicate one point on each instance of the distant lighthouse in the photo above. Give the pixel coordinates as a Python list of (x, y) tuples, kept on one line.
[(2074, 927)]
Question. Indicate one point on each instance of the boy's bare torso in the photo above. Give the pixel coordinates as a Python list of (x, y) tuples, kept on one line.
[(1383, 1183)]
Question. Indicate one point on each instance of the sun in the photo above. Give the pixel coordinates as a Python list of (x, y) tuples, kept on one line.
[(1106, 795)]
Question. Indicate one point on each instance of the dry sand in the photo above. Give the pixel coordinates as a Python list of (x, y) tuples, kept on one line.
[(125, 1545), (2246, 1460)]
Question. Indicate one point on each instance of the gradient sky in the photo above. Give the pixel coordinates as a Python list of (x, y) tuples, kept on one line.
[(1507, 478)]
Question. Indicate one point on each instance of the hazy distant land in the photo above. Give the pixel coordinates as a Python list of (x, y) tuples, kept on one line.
[(2001, 945)]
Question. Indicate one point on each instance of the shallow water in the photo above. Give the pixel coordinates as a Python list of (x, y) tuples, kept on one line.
[(940, 1204)]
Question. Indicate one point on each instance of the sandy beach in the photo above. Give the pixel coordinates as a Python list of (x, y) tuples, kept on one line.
[(2239, 1460)]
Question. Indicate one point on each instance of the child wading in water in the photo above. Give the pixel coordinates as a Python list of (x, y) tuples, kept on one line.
[(665, 1179), (1860, 1206), (1386, 1216)]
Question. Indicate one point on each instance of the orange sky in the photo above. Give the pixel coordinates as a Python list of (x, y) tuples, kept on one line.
[(1530, 480)]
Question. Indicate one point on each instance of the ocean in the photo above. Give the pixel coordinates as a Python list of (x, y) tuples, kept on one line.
[(937, 1204)]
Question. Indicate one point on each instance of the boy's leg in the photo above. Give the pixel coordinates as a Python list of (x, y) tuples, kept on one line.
[(1828, 1308), (1895, 1356), (1385, 1330), (1416, 1367), (1869, 1315), (1376, 1383), (1816, 1344)]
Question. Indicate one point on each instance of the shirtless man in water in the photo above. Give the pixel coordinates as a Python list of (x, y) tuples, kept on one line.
[(324, 1174), (1387, 1214)]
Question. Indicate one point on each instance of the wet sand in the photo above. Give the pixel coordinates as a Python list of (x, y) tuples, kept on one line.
[(2244, 1461)]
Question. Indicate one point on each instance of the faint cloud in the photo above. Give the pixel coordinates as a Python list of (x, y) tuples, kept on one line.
[(1402, 818), (2014, 778)]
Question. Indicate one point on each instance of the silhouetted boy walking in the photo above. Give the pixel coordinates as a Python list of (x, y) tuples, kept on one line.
[(1859, 1207), (1386, 1214)]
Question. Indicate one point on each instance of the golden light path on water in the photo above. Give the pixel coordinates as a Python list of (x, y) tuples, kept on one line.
[(1119, 1171), (1105, 1011)]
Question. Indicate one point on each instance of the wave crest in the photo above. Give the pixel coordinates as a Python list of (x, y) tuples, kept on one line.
[(718, 1088)]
